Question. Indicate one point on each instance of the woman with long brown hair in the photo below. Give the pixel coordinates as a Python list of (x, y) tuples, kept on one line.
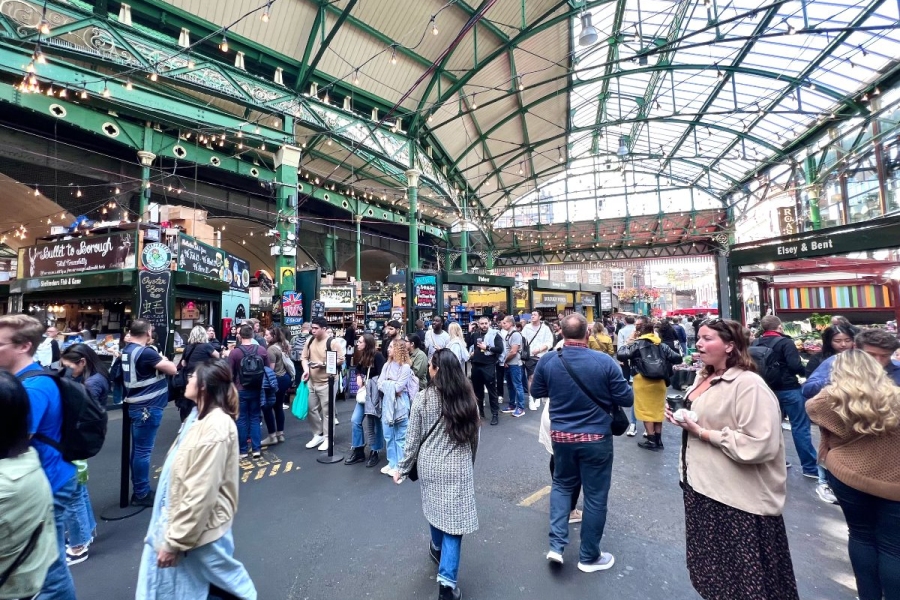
[(443, 440), (859, 415), (189, 549), (369, 363), (278, 351), (398, 386), (733, 475)]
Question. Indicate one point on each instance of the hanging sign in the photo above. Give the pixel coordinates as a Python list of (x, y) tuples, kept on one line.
[(786, 221), (197, 257), (153, 302), (425, 292), (292, 307), (338, 297), (79, 255), (606, 301), (156, 257)]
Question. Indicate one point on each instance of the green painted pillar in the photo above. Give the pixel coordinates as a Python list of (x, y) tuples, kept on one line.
[(489, 259), (412, 191), (329, 250), (287, 161), (358, 220), (146, 157), (464, 250), (812, 192)]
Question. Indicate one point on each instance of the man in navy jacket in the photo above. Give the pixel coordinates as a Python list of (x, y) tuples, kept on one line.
[(581, 436)]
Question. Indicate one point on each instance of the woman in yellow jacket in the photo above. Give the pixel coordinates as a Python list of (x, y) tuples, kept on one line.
[(649, 358), (600, 339), (189, 549)]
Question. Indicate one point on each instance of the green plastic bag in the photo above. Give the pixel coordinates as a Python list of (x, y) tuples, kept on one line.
[(300, 406)]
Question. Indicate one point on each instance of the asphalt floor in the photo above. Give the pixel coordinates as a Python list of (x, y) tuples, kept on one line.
[(311, 531)]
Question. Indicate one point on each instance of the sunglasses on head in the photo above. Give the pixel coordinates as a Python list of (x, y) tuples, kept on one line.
[(712, 321)]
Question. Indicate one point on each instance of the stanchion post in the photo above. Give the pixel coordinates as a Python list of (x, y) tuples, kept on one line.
[(331, 368)]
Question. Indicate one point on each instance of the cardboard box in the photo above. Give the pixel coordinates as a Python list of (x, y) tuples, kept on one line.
[(204, 233), (181, 213)]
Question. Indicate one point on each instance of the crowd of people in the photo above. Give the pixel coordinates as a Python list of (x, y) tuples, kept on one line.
[(420, 402)]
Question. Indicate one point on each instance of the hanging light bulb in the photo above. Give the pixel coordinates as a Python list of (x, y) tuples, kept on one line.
[(39, 57), (434, 29), (223, 45), (356, 77), (37, 192), (589, 35), (30, 67), (106, 92), (154, 76), (84, 93), (430, 117), (190, 63), (393, 55), (257, 130), (128, 85), (474, 101), (265, 16), (44, 26), (521, 82), (117, 191)]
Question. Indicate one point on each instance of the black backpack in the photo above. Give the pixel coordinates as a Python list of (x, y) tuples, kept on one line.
[(84, 419), (252, 370), (767, 364), (651, 364)]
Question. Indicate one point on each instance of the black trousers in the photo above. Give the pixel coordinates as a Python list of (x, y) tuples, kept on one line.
[(499, 378), (485, 376)]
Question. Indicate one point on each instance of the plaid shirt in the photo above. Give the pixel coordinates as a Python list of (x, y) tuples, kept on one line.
[(563, 437)]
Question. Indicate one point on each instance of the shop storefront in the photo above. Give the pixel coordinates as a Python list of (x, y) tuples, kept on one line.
[(422, 299), (554, 299), (468, 296), (806, 278)]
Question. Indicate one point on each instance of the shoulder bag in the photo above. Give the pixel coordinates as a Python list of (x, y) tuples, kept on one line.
[(413, 474), (620, 420), (23, 555), (180, 379), (361, 392)]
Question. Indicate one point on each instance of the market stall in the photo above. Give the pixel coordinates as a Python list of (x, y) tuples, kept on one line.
[(423, 300), (485, 295), (554, 299)]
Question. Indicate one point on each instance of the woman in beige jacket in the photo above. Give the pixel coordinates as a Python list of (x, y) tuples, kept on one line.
[(189, 549)]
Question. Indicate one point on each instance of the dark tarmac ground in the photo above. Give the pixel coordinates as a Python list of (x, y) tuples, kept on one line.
[(309, 531)]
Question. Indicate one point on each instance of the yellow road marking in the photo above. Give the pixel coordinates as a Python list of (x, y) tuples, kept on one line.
[(535, 496), (260, 474), (289, 466), (274, 470), (246, 476)]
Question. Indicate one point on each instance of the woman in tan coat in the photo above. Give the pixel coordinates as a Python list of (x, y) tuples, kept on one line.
[(733, 475), (859, 415), (189, 550)]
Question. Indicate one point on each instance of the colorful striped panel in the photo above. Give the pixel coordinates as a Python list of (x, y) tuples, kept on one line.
[(824, 298)]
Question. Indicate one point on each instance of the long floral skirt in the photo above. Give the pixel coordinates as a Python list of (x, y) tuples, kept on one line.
[(736, 555)]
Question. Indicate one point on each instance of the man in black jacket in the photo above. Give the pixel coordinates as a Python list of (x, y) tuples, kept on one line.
[(487, 346), (793, 404)]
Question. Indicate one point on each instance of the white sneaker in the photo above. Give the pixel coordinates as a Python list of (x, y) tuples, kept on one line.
[(336, 422), (500, 399), (604, 562), (786, 425), (631, 431), (270, 440), (324, 445), (823, 490), (391, 472), (386, 469), (534, 403), (555, 557), (315, 441)]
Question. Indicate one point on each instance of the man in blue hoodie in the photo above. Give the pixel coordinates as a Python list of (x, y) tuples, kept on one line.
[(581, 436)]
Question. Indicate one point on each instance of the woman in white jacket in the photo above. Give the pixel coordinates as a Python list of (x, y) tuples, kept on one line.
[(189, 549)]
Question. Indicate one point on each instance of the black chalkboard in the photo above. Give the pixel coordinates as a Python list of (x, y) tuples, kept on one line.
[(318, 309), (153, 303)]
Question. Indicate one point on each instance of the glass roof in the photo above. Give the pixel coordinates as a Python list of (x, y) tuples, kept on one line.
[(678, 102)]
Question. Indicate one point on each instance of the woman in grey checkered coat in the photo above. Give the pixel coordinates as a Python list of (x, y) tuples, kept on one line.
[(442, 440)]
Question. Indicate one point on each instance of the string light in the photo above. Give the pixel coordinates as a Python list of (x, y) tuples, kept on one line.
[(106, 92), (190, 63), (39, 57), (265, 16), (84, 93), (356, 77), (154, 76), (128, 85), (393, 55), (223, 45), (434, 29)]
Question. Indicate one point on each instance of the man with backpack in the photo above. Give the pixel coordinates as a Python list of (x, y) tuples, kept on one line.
[(143, 374), (778, 363), (537, 341), (20, 336), (248, 361), (512, 363), (314, 372), (487, 348)]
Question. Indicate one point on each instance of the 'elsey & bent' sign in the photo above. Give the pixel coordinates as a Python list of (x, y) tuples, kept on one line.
[(799, 249)]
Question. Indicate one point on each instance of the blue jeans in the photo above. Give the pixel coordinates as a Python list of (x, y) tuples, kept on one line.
[(356, 426), (874, 545), (525, 390), (58, 584), (793, 406), (395, 440), (274, 415), (144, 425), (80, 523), (588, 463), (248, 420), (450, 547), (514, 382)]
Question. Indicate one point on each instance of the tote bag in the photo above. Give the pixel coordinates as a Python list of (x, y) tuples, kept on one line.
[(300, 406)]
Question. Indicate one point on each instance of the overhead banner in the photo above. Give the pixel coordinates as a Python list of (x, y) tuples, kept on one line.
[(79, 255), (153, 302), (424, 292), (197, 257)]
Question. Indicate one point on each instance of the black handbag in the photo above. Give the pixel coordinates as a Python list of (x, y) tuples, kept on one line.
[(413, 474), (180, 379), (620, 420)]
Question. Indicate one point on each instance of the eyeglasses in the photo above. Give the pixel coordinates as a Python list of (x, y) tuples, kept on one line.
[(712, 321)]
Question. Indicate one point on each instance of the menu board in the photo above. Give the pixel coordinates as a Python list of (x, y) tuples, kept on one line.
[(424, 292), (338, 297), (153, 303), (318, 309), (197, 257), (78, 255)]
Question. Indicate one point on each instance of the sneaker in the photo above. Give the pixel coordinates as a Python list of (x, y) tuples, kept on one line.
[(604, 562), (508, 410), (285, 406), (787, 465), (813, 475), (786, 425), (575, 516), (386, 469), (324, 445), (315, 441), (280, 435), (270, 440), (555, 557), (823, 490), (336, 422), (499, 399), (519, 413), (631, 431), (257, 454), (495, 420), (145, 501), (244, 456), (532, 403), (390, 472), (74, 557)]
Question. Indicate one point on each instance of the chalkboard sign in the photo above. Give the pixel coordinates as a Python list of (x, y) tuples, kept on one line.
[(153, 303), (318, 309)]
